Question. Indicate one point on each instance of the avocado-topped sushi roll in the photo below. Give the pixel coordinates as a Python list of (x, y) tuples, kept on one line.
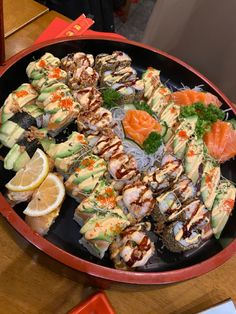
[(117, 59), (108, 145), (193, 159), (102, 199), (169, 115), (36, 69), (15, 128), (222, 206), (21, 152), (89, 98), (182, 135), (209, 182), (132, 247), (187, 233), (85, 177), (157, 98), (68, 154), (24, 95), (138, 200), (100, 231), (162, 178), (72, 61), (93, 122), (49, 78), (151, 78)]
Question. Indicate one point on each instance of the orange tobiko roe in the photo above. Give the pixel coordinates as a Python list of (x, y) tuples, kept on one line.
[(138, 124)]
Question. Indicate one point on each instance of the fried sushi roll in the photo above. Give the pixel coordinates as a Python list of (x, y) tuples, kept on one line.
[(129, 91), (14, 198), (162, 178), (102, 199), (132, 248), (83, 77), (138, 200), (24, 95), (188, 232), (83, 180), (101, 230), (93, 122), (184, 189), (108, 145), (123, 75), (117, 59), (89, 98), (72, 61)]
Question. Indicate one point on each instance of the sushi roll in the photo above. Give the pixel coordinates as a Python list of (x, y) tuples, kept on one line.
[(108, 145), (166, 209), (151, 79), (138, 200), (158, 98), (24, 95), (126, 92), (209, 183), (85, 177), (15, 128), (93, 122), (132, 248), (193, 159), (138, 87), (222, 206), (117, 59), (83, 77), (101, 230), (73, 61), (123, 167), (169, 115), (89, 98), (42, 224), (187, 233), (102, 199), (36, 69), (184, 189), (14, 198), (49, 78), (123, 75), (162, 178), (53, 93)]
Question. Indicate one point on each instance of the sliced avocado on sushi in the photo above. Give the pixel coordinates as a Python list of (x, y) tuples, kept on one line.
[(185, 130), (222, 207), (9, 139), (71, 146), (209, 182), (23, 95), (12, 156), (193, 159), (169, 116), (21, 161), (33, 110), (105, 226)]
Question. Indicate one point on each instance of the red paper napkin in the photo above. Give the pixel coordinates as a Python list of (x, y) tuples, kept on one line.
[(59, 27)]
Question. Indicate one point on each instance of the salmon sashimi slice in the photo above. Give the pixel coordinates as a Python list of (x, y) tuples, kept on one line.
[(188, 97), (221, 141), (138, 124)]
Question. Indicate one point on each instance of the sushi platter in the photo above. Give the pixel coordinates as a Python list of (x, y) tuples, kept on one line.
[(118, 160)]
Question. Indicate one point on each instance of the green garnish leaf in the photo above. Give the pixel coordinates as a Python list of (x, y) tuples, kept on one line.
[(152, 143), (206, 116), (110, 98), (144, 106)]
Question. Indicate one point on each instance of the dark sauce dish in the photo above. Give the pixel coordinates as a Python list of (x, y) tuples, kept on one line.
[(62, 241)]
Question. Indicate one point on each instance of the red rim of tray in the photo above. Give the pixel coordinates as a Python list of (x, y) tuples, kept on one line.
[(90, 268)]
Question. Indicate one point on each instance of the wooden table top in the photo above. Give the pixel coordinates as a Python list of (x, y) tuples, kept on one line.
[(19, 13), (31, 282)]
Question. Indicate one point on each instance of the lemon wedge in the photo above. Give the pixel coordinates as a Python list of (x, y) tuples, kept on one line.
[(32, 175), (47, 197)]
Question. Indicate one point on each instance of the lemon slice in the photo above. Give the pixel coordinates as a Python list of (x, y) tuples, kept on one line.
[(47, 197), (32, 175)]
